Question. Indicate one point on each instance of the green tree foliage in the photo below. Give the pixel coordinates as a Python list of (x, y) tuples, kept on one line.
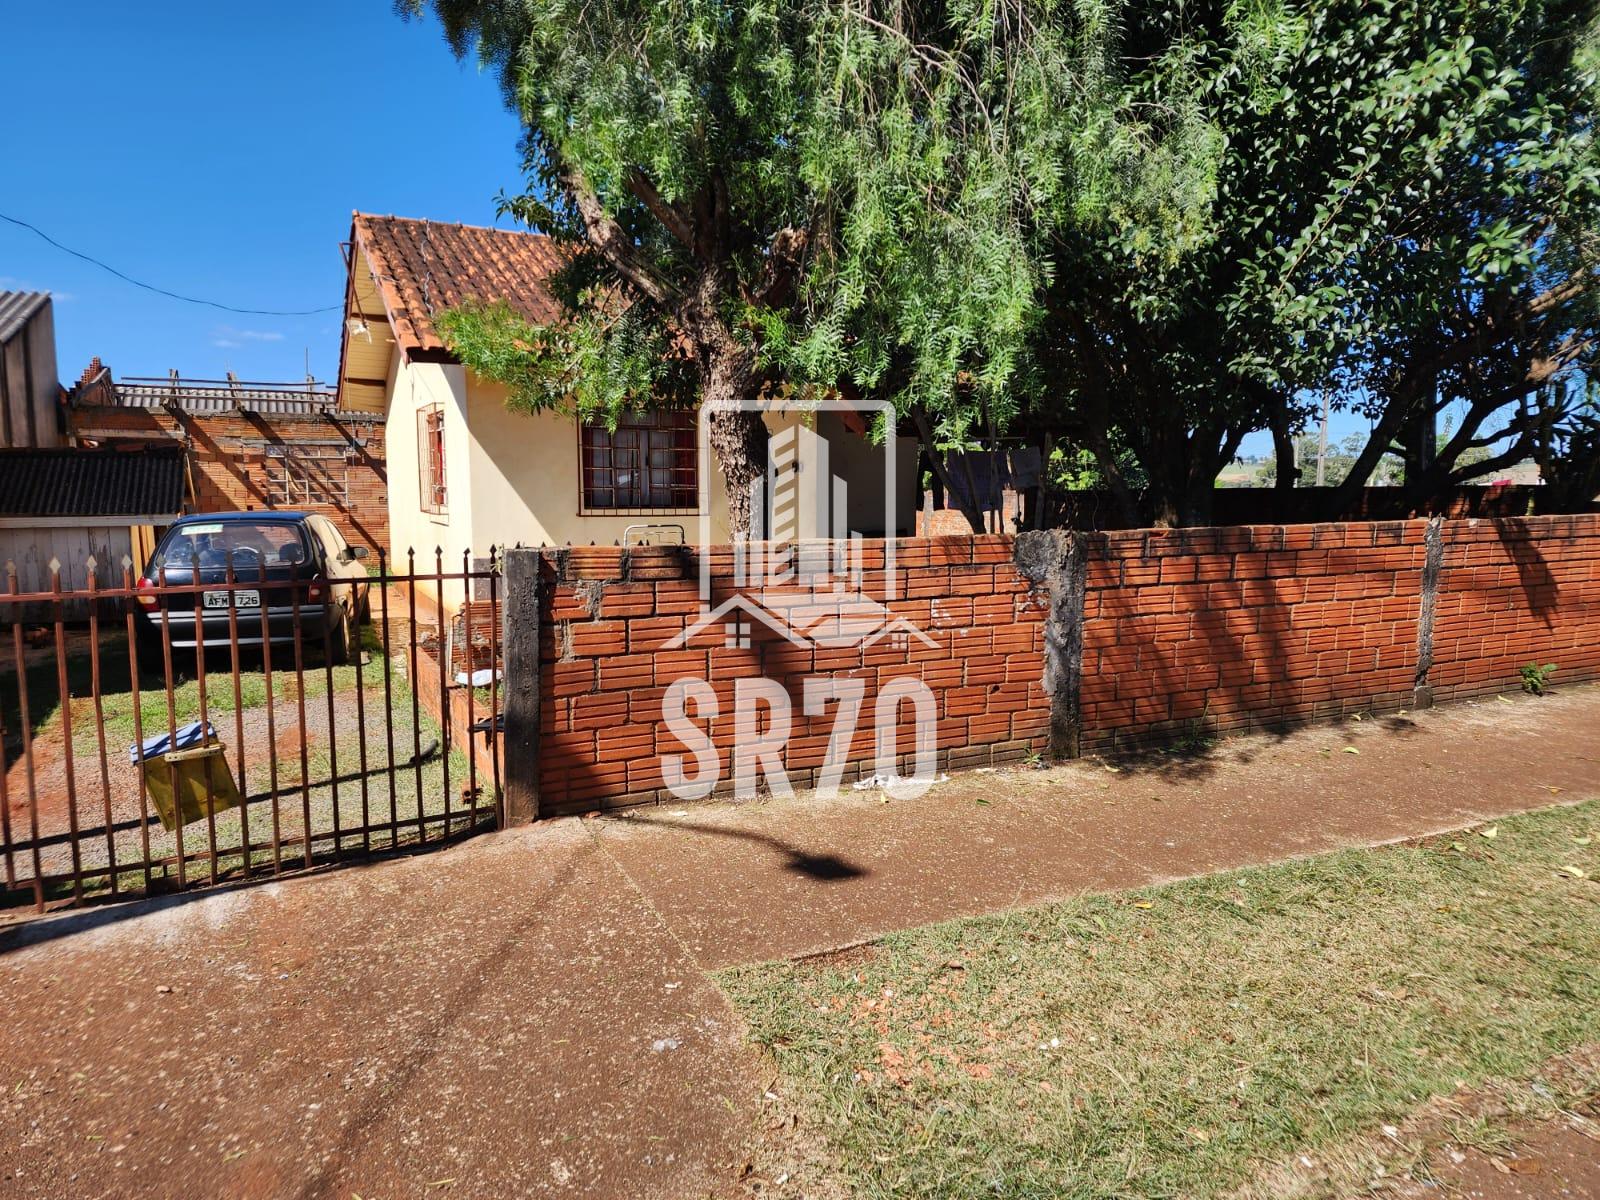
[(1403, 211), (1134, 231), (823, 196)]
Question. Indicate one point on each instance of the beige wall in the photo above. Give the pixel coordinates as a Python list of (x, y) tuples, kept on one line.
[(513, 478), (413, 386), (525, 482), (860, 464)]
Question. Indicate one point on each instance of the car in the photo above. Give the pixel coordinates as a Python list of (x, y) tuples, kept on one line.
[(272, 546)]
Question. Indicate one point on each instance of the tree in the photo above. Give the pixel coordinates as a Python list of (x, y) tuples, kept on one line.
[(1402, 210), (815, 196)]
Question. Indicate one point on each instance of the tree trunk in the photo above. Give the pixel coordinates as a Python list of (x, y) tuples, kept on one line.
[(1288, 475), (941, 473), (737, 435)]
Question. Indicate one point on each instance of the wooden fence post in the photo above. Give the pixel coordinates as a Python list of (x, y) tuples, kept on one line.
[(520, 638)]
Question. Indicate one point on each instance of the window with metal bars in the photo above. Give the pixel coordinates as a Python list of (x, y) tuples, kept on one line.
[(430, 458), (647, 464)]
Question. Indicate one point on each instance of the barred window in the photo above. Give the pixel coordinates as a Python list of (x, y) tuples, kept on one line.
[(648, 462)]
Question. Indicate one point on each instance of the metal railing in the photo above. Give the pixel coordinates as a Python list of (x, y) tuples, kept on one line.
[(196, 733)]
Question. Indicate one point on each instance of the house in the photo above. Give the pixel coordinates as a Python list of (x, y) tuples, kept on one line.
[(246, 445), (29, 388), (465, 472), (69, 505)]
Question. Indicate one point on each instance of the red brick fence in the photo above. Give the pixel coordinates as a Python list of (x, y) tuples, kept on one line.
[(1052, 642)]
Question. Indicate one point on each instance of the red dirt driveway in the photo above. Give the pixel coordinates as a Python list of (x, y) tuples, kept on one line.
[(527, 1014)]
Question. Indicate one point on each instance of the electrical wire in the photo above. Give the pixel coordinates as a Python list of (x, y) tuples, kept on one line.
[(149, 287)]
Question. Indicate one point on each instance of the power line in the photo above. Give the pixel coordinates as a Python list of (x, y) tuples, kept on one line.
[(150, 287)]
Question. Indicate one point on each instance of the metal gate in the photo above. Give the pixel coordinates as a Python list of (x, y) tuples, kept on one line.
[(186, 734)]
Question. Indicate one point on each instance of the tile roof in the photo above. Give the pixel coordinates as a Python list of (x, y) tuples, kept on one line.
[(91, 483), (424, 266), (16, 308)]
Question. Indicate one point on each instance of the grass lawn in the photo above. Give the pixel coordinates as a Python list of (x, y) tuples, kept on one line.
[(44, 701), (1173, 1041), (281, 793)]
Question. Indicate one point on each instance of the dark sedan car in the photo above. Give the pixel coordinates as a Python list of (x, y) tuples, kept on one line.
[(276, 547)]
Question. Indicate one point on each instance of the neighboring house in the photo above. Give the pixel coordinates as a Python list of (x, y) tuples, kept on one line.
[(71, 504), (247, 445), (465, 472), (30, 412)]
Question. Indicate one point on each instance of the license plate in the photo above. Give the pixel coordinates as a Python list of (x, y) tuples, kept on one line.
[(251, 599)]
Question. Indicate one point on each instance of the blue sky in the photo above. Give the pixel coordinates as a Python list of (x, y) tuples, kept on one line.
[(217, 150)]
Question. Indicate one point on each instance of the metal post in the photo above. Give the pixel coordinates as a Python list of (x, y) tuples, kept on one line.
[(520, 640)]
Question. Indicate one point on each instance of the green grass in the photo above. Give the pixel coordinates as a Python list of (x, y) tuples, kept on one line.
[(44, 699), (1169, 1042)]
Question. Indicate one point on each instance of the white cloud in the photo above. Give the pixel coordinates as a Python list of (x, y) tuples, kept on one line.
[(229, 338)]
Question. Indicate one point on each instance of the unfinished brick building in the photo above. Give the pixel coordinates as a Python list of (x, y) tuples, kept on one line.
[(247, 445)]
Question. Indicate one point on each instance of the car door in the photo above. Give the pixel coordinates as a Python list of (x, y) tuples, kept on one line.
[(341, 561)]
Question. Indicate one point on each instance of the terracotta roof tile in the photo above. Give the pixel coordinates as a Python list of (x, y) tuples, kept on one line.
[(424, 266)]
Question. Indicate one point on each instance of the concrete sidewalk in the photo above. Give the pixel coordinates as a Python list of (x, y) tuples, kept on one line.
[(783, 878), (526, 1014), (504, 1018)]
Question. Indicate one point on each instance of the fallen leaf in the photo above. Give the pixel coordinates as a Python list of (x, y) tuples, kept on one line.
[(1458, 847), (1491, 833), (1143, 904), (1582, 841), (1574, 872), (1502, 700), (1554, 791)]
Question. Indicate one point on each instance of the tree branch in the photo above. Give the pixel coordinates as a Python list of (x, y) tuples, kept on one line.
[(612, 242), (663, 210)]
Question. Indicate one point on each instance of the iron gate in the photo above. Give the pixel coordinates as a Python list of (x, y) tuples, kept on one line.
[(156, 736)]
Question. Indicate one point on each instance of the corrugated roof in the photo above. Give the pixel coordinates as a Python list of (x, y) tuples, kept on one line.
[(424, 266), (202, 396), (15, 310), (220, 396), (91, 483)]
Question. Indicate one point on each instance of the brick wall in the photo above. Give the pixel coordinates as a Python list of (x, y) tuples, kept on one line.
[(228, 458), (1073, 642), (1230, 629), (604, 672), (1512, 592)]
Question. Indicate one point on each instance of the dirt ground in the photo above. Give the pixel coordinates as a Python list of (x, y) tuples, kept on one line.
[(527, 1014), (1559, 1158), (339, 739)]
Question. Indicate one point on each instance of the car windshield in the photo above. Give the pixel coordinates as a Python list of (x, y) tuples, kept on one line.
[(251, 543)]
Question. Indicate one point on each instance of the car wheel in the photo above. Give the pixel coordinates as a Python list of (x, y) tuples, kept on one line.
[(339, 640)]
